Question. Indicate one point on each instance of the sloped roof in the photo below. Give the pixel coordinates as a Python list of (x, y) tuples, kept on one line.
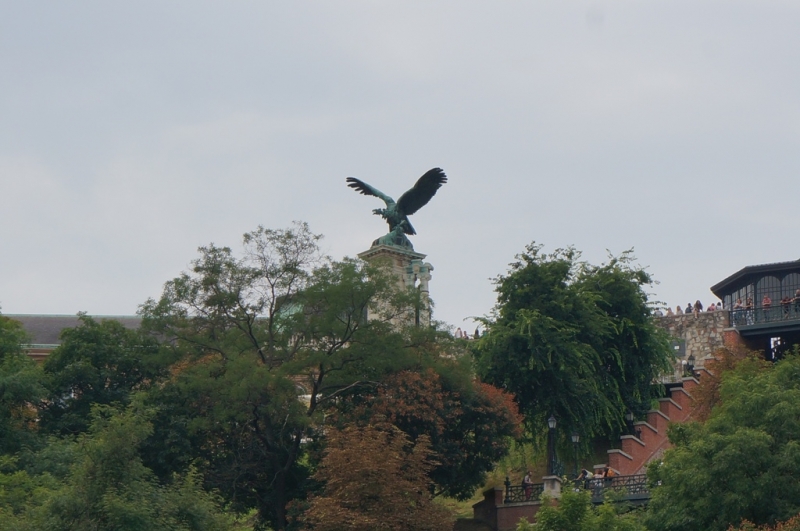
[(721, 288), (46, 329)]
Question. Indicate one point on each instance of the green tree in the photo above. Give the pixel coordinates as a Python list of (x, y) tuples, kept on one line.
[(97, 363), (742, 463), (22, 495), (267, 342), (573, 340), (575, 512), (21, 389), (637, 351), (12, 337), (108, 487)]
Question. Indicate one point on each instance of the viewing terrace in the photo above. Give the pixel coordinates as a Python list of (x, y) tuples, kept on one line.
[(764, 305)]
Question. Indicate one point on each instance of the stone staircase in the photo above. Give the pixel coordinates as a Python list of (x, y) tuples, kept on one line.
[(650, 441)]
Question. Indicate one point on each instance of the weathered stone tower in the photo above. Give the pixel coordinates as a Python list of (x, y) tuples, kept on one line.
[(393, 249), (410, 270)]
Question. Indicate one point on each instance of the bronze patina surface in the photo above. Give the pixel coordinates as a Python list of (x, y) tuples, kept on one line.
[(396, 212)]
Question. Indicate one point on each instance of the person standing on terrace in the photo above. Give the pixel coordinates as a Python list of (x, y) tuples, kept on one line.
[(738, 307), (785, 302), (527, 485)]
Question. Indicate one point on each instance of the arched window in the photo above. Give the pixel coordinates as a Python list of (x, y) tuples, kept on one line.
[(768, 285), (790, 284), (742, 293)]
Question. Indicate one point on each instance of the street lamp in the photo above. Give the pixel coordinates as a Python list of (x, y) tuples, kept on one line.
[(690, 365), (629, 421), (551, 446), (576, 438)]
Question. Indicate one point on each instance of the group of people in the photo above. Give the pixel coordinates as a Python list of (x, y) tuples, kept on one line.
[(695, 309), (597, 479), (745, 312), (586, 478), (463, 334)]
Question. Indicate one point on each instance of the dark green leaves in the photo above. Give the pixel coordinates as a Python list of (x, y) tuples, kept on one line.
[(573, 340)]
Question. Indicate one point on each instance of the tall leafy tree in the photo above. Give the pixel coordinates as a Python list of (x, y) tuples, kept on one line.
[(742, 463), (98, 362), (21, 389), (573, 340), (636, 352), (267, 340)]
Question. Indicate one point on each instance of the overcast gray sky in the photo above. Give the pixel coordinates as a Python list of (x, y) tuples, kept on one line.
[(131, 133)]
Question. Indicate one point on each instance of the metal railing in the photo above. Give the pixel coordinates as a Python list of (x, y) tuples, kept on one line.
[(772, 314), (518, 494), (632, 487)]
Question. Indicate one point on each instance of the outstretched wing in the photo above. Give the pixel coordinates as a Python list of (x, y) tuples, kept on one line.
[(423, 190), (366, 189)]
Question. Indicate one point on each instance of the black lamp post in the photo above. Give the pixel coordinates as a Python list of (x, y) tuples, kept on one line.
[(576, 438), (551, 446), (629, 421), (690, 365)]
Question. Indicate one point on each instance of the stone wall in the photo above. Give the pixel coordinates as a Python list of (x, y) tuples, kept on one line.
[(702, 334)]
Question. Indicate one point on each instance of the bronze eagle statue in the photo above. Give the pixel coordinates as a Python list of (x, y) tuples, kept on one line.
[(396, 213)]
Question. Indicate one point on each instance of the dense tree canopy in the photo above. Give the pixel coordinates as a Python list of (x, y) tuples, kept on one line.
[(470, 425), (107, 487), (12, 336), (98, 362), (249, 372), (575, 512), (21, 388), (267, 342), (574, 340), (375, 478), (742, 463)]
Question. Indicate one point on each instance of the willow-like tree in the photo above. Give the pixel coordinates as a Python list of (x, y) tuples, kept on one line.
[(574, 340)]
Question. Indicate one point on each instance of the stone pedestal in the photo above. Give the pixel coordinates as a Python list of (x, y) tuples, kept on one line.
[(410, 270), (552, 486)]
